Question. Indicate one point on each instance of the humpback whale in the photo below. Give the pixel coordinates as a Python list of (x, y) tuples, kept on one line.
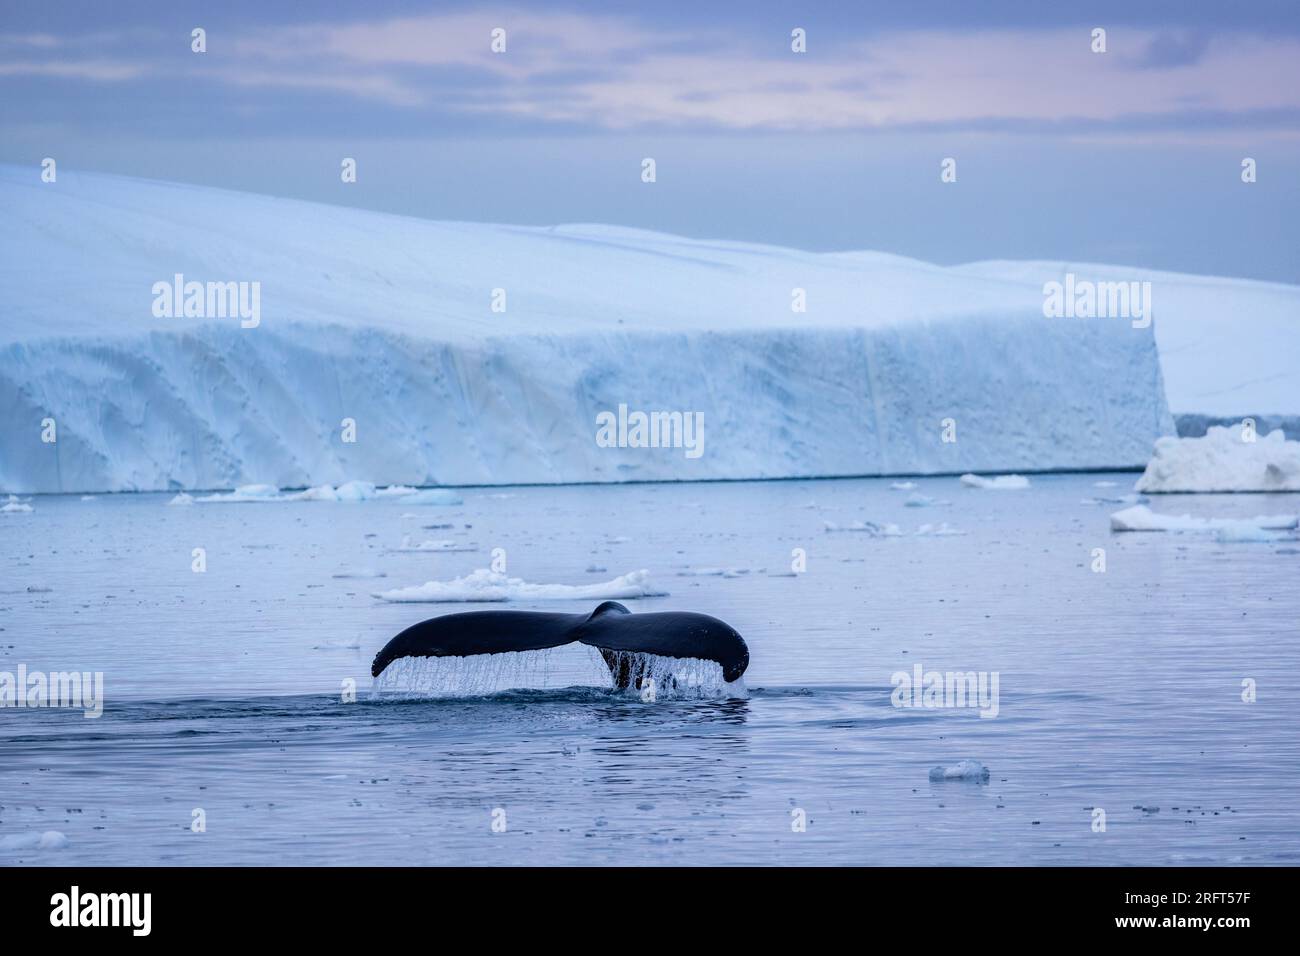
[(611, 628)]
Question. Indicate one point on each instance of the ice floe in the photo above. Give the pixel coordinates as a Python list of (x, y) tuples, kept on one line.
[(874, 530), (941, 530), (434, 544), (866, 527), (717, 572), (1258, 528), (487, 585), (15, 506)]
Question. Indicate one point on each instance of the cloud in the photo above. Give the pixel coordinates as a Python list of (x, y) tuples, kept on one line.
[(103, 70), (618, 73), (1168, 50)]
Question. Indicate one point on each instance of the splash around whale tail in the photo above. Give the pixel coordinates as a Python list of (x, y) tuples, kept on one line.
[(611, 628)]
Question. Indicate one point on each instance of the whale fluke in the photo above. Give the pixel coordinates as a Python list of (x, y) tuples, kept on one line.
[(610, 628)]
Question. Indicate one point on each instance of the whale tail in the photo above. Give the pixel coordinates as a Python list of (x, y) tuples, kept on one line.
[(611, 628)]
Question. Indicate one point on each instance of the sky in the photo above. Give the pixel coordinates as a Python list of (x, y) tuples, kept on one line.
[(1130, 156)]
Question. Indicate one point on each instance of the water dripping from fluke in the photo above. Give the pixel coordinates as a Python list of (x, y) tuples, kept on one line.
[(656, 655)]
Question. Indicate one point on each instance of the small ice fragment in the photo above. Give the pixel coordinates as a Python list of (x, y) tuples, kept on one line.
[(431, 544), (970, 770), (49, 840), (866, 527)]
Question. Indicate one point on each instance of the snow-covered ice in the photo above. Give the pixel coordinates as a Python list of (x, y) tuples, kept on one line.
[(488, 585), (1223, 461), (1142, 518), (15, 506), (385, 320)]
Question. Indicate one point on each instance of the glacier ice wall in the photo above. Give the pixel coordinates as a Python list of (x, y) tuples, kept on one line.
[(386, 320), (219, 407)]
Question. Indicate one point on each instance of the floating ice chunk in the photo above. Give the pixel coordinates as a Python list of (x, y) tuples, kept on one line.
[(355, 491), (348, 491), (15, 506), (432, 544), (1142, 518), (716, 572), (971, 770), (866, 527), (903, 485), (244, 493), (89, 497), (1120, 500), (1222, 461), (49, 840), (942, 530), (319, 493), (354, 644), (999, 483), (1105, 484), (182, 499), (918, 500), (486, 585), (417, 496)]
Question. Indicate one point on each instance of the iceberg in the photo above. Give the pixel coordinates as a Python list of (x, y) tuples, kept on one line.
[(1223, 460), (377, 352), (1228, 347)]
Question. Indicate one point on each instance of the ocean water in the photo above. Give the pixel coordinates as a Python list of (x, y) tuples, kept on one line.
[(223, 690)]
